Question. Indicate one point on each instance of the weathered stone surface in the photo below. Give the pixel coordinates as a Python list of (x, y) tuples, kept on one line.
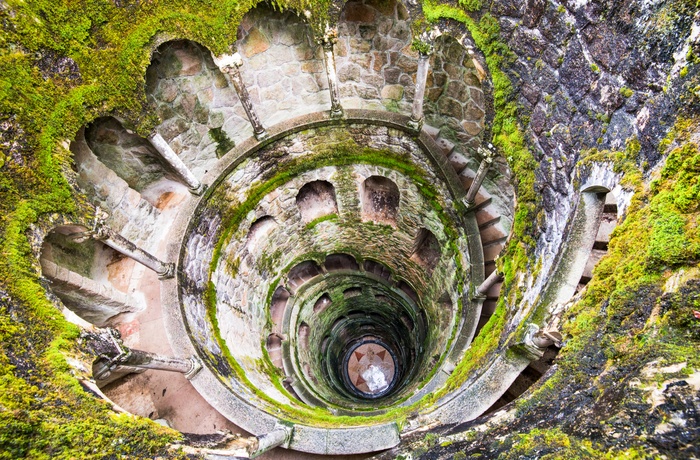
[(254, 43), (394, 92)]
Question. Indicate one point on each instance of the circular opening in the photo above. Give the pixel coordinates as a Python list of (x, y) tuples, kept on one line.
[(369, 369)]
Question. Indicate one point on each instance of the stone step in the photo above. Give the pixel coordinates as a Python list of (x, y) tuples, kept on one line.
[(497, 241), (489, 267), (432, 131), (608, 222), (495, 290), (492, 233), (493, 250), (445, 146), (486, 214), (458, 161), (482, 206), (489, 223), (488, 308)]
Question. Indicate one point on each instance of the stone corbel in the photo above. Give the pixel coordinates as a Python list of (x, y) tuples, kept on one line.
[(536, 341)]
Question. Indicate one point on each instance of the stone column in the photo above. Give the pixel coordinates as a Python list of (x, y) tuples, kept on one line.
[(416, 121), (327, 42), (144, 360), (488, 283), (229, 64), (120, 244), (487, 159), (176, 163), (115, 358)]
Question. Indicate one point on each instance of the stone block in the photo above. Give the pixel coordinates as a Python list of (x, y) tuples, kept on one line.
[(368, 92), (167, 91), (254, 43), (315, 66), (473, 112), (471, 127), (349, 72), (451, 107), (457, 90), (190, 63), (393, 92), (392, 75)]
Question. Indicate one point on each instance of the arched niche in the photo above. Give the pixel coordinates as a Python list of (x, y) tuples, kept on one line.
[(202, 117), (375, 62), (301, 273), (316, 199), (454, 98), (380, 200), (278, 304), (377, 269), (322, 303), (336, 262), (81, 276), (258, 233), (273, 345), (128, 155), (426, 250), (283, 67)]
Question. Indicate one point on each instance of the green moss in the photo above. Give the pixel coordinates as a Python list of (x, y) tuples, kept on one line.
[(318, 220), (626, 92), (223, 142)]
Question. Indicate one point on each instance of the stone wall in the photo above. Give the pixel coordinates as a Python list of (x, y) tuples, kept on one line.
[(250, 268), (201, 116), (282, 65), (454, 99), (375, 63)]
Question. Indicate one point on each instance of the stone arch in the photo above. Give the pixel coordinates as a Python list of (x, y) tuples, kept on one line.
[(375, 62), (316, 199), (341, 262), (200, 115), (283, 66), (301, 273), (380, 200)]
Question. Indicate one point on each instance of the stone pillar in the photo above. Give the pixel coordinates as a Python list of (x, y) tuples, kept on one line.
[(416, 121), (120, 244), (115, 358), (327, 42), (176, 163), (487, 159), (229, 64), (488, 283)]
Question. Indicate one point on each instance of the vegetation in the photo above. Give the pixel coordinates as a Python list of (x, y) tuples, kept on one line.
[(63, 64)]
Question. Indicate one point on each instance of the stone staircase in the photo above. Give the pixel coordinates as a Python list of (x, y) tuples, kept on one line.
[(493, 234), (608, 222)]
